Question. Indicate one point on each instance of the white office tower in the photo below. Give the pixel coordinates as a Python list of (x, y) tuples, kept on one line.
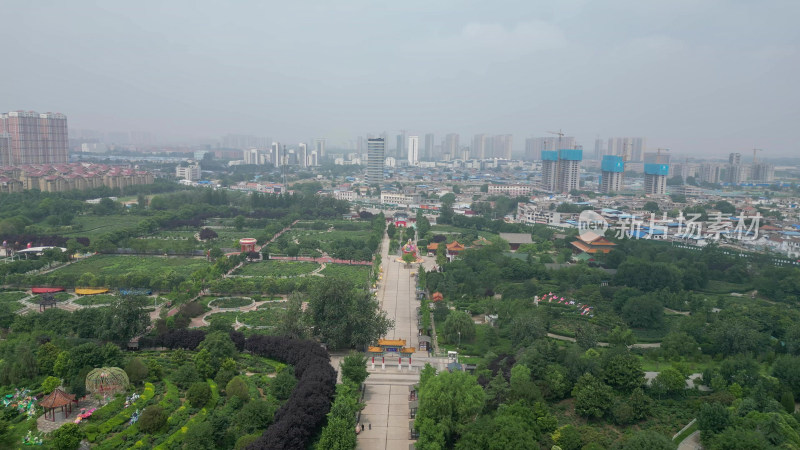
[(302, 154), (313, 159), (319, 147), (275, 154), (376, 154), (252, 156), (413, 150), (502, 145)]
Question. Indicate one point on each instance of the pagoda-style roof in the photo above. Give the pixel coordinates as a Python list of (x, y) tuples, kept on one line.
[(455, 247), (374, 350), (408, 350), (433, 246), (392, 342), (591, 242), (437, 296), (56, 399)]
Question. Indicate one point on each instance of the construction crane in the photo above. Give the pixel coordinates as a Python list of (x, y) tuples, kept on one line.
[(755, 150), (658, 154), (560, 135)]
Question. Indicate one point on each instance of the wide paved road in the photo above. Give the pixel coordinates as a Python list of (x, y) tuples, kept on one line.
[(386, 395)]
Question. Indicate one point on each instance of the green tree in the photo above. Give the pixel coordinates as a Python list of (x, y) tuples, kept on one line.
[(458, 327), (124, 319), (201, 437), (568, 438), (293, 321), (451, 400), (255, 415), (648, 440), (46, 357), (622, 370), (219, 347), (198, 394), (713, 418), (354, 368), (67, 437), (136, 370), (592, 396), (50, 384), (238, 222), (152, 419), (622, 336), (185, 376), (283, 384), (643, 312), (522, 387), (236, 387), (651, 206), (441, 254), (202, 362), (344, 316), (668, 382)]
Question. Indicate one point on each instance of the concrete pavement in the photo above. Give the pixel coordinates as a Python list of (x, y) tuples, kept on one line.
[(386, 393)]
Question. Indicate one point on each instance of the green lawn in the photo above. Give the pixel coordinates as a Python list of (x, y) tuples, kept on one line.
[(100, 299), (356, 274), (275, 268), (92, 226), (125, 264)]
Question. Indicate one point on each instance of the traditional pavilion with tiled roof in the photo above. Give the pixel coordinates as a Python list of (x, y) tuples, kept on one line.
[(454, 249), (437, 297), (57, 399), (590, 242)]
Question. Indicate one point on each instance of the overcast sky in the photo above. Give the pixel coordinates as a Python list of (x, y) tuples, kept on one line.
[(694, 75)]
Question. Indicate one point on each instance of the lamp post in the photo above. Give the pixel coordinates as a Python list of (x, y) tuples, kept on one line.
[(459, 339)]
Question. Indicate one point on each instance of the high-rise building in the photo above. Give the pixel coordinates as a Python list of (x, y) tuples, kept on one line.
[(313, 159), (450, 147), (502, 145), (612, 171), (479, 146), (763, 173), (710, 173), (319, 146), (413, 150), (276, 156), (5, 149), (429, 144), (655, 178), (302, 154), (569, 164), (534, 146), (549, 170), (599, 149), (253, 156), (735, 171), (629, 148), (34, 138), (376, 153)]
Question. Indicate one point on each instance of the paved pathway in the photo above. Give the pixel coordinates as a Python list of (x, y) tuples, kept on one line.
[(386, 394)]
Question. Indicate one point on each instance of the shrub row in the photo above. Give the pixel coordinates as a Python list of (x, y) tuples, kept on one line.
[(304, 412)]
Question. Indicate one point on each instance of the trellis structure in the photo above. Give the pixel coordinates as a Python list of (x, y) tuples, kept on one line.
[(107, 381)]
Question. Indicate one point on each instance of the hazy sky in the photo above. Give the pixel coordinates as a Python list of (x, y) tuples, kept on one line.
[(693, 75)]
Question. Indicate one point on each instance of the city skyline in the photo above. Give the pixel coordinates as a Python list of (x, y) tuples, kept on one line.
[(696, 78)]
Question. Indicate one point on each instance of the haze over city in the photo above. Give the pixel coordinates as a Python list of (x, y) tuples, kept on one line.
[(702, 78)]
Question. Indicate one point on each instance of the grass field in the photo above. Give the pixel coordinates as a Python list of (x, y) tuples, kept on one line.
[(123, 264), (100, 299), (357, 274), (93, 226), (274, 268)]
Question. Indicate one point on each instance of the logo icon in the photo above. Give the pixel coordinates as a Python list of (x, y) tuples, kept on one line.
[(590, 224)]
